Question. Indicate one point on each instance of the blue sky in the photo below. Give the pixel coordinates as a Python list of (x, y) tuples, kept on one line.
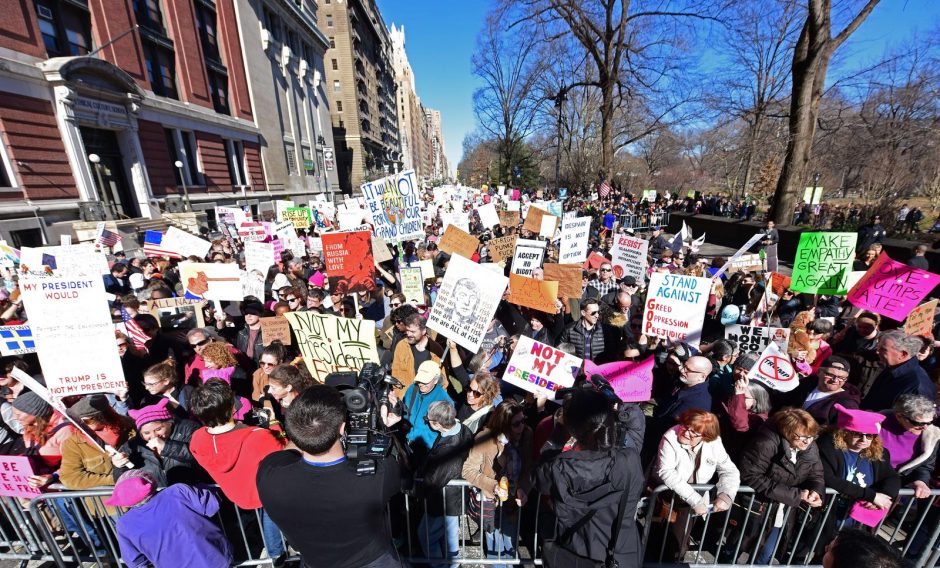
[(440, 37)]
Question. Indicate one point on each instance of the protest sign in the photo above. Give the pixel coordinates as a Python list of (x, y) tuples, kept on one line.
[(547, 228), (631, 380), (920, 320), (81, 259), (457, 218), (412, 285), (251, 231), (15, 472), (675, 307), (750, 242), (756, 339), (280, 206), (211, 281), (488, 216), (275, 329), (541, 369), (380, 252), (394, 203), (348, 260), (458, 241), (574, 239), (513, 205), (528, 256), (533, 219), (746, 263), (823, 262), (891, 288), (774, 370), (531, 293), (594, 261), (230, 215), (16, 340), (628, 257), (177, 313), (298, 216), (509, 218), (568, 277), (331, 344), (73, 334), (427, 268), (466, 303), (773, 261), (259, 257), (501, 248), (285, 231), (184, 243)]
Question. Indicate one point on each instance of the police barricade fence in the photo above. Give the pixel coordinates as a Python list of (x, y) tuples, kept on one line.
[(644, 220), (71, 528)]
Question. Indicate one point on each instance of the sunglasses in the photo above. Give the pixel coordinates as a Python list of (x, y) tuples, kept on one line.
[(200, 343), (395, 305), (863, 436), (295, 299), (122, 344), (605, 269), (474, 392), (918, 423), (594, 313), (263, 364)]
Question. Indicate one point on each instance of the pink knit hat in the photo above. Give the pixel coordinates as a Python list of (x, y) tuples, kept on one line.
[(860, 421), (316, 280), (153, 413), (131, 488)]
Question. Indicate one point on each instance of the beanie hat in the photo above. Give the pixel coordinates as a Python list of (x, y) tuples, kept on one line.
[(131, 488), (860, 421), (153, 413), (746, 361), (316, 280), (32, 404), (88, 406)]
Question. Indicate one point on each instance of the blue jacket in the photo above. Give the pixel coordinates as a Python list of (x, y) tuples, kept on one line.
[(685, 398), (907, 378), (416, 407)]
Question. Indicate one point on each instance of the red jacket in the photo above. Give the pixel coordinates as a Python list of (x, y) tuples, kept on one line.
[(232, 459)]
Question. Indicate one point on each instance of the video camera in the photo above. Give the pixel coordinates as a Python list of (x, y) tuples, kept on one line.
[(367, 438)]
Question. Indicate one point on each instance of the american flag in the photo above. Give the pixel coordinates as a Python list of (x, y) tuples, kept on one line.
[(108, 238), (604, 189), (136, 334), (152, 245)]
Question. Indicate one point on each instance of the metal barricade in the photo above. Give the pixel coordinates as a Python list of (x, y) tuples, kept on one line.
[(643, 220)]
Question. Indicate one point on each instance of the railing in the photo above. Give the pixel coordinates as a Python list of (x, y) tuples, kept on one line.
[(73, 527), (644, 220)]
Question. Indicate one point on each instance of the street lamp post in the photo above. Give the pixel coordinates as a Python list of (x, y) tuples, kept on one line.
[(559, 104), (179, 166), (95, 159)]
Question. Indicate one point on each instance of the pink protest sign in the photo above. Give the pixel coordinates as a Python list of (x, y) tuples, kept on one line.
[(15, 472), (866, 516), (632, 381), (891, 288)]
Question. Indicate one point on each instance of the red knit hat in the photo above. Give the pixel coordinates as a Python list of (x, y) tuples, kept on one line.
[(153, 413)]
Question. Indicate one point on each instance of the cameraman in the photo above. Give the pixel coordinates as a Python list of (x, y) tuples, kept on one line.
[(330, 514)]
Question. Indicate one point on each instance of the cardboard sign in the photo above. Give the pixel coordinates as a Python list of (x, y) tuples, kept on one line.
[(348, 260), (488, 216), (285, 231), (15, 472), (250, 231), (632, 381), (891, 288), (756, 339), (738, 254), (774, 370), (394, 203), (177, 313), (16, 340), (466, 303), (747, 263), (82, 259), (823, 262), (427, 268), (920, 320), (628, 257), (531, 293), (528, 256), (280, 206), (184, 243), (509, 218), (298, 216), (275, 329), (541, 369), (502, 248), (513, 204), (675, 307), (533, 219), (380, 252), (412, 285), (458, 241), (331, 344), (73, 334), (568, 277)]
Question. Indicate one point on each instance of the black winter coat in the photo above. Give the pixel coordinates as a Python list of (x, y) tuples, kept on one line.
[(766, 467), (583, 481), (174, 465), (886, 479), (443, 464)]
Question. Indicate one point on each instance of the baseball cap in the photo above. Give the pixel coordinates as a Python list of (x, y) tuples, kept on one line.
[(427, 372), (836, 362)]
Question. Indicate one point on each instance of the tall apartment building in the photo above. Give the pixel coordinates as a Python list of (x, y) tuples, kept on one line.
[(99, 99), (362, 90), (286, 79), (413, 126), (439, 167)]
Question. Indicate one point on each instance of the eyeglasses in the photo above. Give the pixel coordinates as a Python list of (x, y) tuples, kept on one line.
[(200, 343), (153, 384), (689, 370), (605, 269), (805, 439), (834, 376), (395, 305), (861, 435), (266, 364), (690, 433)]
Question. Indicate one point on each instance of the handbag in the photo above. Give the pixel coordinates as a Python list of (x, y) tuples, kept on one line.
[(555, 555)]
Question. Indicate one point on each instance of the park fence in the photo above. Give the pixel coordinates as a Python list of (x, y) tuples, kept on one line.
[(74, 528)]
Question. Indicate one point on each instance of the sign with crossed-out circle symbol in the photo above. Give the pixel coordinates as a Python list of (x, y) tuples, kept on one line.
[(776, 368)]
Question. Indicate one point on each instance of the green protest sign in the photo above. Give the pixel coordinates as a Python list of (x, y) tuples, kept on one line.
[(299, 216), (823, 263)]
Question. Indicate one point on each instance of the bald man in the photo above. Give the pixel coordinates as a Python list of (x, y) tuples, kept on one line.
[(691, 391)]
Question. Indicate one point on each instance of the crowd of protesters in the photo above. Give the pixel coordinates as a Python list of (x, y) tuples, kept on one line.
[(215, 404)]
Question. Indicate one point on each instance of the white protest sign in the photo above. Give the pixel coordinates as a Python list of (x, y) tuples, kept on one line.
[(675, 307), (574, 239), (488, 215), (628, 257), (756, 339), (285, 231), (280, 206), (395, 205), (412, 285), (528, 256), (184, 243), (73, 334), (541, 369), (750, 242), (774, 370), (466, 303), (547, 226), (259, 257)]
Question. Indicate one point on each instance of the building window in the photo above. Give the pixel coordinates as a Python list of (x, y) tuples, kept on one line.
[(309, 168), (218, 84), (335, 65), (206, 20), (291, 155), (6, 170), (181, 145), (235, 157), (336, 87), (273, 24), (65, 28), (329, 21), (160, 69), (332, 43), (149, 14), (339, 106)]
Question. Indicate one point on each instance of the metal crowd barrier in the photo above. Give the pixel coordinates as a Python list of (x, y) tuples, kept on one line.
[(72, 528), (644, 220)]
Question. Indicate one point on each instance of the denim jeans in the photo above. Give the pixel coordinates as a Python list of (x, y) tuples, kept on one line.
[(272, 536), (73, 521), (500, 542), (435, 531), (767, 551)]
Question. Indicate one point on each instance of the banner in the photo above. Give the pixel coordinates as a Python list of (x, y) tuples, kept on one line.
[(488, 216), (823, 262), (211, 281), (15, 472), (531, 293), (528, 256), (395, 206), (412, 285), (632, 381), (458, 241), (16, 340), (275, 329), (747, 246), (298, 216), (628, 257), (502, 248), (466, 303), (259, 257), (574, 239), (568, 277), (891, 288), (774, 370), (73, 334), (920, 320), (756, 339), (348, 260), (675, 307), (541, 369), (331, 344)]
